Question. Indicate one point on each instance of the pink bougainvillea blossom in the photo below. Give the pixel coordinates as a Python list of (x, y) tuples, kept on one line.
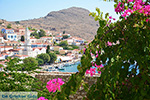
[(114, 19), (84, 50), (110, 17), (99, 51), (96, 55), (137, 6), (42, 98), (130, 0), (96, 51), (99, 66), (54, 84), (120, 7), (99, 72), (92, 71), (147, 20), (92, 54), (109, 43)]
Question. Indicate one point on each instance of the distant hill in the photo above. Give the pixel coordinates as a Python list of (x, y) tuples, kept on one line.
[(75, 21)]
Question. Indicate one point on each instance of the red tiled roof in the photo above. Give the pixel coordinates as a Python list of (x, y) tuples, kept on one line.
[(11, 42), (36, 43), (40, 48), (9, 29), (15, 49), (46, 37), (5, 46), (58, 36), (76, 50), (32, 38)]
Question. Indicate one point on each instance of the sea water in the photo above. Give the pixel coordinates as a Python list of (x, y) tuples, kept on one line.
[(71, 68)]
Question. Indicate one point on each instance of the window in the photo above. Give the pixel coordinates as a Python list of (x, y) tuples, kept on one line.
[(8, 36), (12, 36), (15, 36)]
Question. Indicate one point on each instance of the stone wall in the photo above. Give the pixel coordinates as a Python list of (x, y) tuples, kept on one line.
[(45, 77)]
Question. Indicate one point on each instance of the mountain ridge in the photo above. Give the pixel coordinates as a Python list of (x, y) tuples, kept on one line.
[(74, 20)]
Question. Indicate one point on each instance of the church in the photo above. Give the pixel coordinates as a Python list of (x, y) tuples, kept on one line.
[(28, 50)]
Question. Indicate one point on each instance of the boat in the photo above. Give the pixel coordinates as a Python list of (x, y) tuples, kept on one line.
[(67, 64), (60, 67), (53, 69)]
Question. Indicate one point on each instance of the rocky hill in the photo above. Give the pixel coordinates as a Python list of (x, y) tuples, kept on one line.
[(75, 21)]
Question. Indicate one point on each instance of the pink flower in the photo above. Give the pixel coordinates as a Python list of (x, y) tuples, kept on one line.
[(42, 98), (119, 8), (147, 20), (99, 66), (99, 72), (84, 50), (96, 55), (99, 51), (92, 64), (96, 51), (87, 71), (130, 0), (114, 19), (109, 43), (110, 17), (123, 83), (54, 84), (92, 54), (92, 71)]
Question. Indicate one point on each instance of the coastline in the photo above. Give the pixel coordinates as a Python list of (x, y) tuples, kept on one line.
[(45, 67)]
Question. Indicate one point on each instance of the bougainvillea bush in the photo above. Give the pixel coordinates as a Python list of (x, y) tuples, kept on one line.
[(122, 56)]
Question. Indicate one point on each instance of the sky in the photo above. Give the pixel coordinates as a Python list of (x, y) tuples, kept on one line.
[(16, 10)]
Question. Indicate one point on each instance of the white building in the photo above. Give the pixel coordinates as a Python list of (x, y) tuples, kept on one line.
[(38, 50), (1, 39), (27, 46)]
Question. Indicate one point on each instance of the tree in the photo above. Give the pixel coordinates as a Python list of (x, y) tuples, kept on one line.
[(56, 52), (17, 22), (30, 61), (75, 47), (9, 26), (33, 29), (64, 32), (40, 61), (42, 33), (11, 80), (22, 38), (1, 65), (63, 43), (122, 57), (30, 28), (35, 34), (53, 57), (48, 49), (65, 36), (44, 56)]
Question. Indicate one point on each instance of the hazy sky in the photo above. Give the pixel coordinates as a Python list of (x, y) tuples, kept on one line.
[(15, 10)]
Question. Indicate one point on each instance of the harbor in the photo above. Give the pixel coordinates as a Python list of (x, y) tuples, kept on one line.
[(70, 66)]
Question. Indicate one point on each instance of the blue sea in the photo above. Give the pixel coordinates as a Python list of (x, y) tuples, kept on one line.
[(73, 68)]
